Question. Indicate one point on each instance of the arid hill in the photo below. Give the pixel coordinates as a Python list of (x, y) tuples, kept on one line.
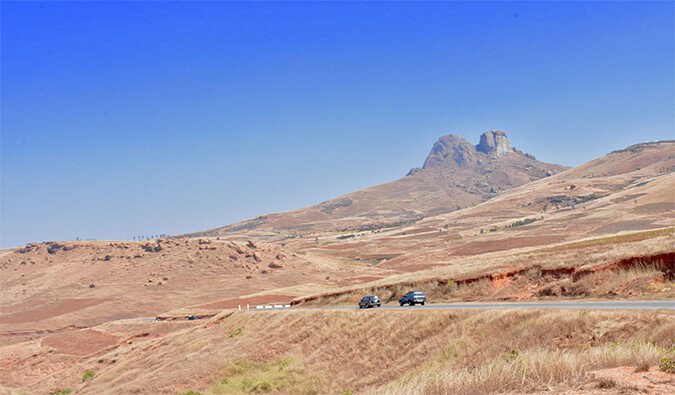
[(53, 287), (455, 175), (624, 191)]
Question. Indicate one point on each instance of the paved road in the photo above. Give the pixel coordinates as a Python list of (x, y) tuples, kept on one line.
[(579, 305), (569, 305)]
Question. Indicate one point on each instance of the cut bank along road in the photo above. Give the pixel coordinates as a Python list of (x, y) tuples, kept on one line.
[(578, 305)]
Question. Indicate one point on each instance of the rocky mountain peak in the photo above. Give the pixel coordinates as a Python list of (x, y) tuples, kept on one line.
[(456, 151), (451, 146), (494, 142)]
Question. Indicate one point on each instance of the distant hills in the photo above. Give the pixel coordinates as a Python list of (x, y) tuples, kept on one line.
[(456, 174)]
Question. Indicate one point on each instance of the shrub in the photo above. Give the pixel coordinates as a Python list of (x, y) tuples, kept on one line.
[(667, 364), (524, 222), (107, 257), (88, 375), (64, 391), (236, 332)]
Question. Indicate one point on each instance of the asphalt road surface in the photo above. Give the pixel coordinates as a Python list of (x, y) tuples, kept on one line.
[(568, 305), (578, 305)]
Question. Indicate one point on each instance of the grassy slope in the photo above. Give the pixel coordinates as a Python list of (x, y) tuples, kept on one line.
[(379, 351)]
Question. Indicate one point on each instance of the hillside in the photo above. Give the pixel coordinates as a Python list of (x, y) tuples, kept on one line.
[(456, 174), (380, 351), (630, 190), (52, 287)]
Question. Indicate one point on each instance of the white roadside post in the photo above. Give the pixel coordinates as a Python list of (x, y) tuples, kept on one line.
[(247, 306), (239, 307)]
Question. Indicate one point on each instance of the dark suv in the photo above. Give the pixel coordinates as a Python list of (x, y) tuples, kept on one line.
[(370, 301), (412, 298)]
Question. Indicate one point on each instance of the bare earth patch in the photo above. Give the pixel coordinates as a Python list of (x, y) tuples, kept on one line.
[(83, 342)]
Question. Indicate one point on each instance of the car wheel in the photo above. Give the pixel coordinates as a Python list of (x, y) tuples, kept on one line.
[(378, 305), (412, 303), (400, 304), (423, 303)]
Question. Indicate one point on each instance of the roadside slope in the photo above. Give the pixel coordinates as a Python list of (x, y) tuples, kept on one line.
[(378, 350)]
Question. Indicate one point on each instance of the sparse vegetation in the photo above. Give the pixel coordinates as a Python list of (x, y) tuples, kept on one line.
[(236, 332), (64, 391), (614, 239), (244, 376), (536, 369), (451, 285), (88, 375), (524, 222), (527, 351), (667, 364)]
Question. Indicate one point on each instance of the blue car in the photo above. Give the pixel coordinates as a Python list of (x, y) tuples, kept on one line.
[(412, 298)]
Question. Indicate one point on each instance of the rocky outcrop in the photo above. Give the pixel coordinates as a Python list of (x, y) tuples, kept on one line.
[(494, 142), (450, 149), (454, 150)]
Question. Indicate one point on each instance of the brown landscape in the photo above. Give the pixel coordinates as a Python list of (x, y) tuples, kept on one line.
[(476, 223)]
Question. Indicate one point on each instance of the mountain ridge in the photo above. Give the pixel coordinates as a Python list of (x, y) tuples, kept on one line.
[(456, 174)]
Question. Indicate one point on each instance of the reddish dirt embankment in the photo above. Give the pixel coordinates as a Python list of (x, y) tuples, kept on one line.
[(532, 278)]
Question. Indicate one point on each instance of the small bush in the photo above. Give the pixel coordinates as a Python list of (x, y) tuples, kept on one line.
[(107, 257), (512, 355), (281, 376), (667, 364), (236, 332), (606, 383), (64, 391), (451, 285), (88, 375), (524, 222)]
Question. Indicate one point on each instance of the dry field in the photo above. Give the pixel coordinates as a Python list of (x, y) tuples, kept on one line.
[(65, 286)]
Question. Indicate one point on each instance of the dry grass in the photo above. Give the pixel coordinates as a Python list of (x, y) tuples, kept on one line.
[(415, 351), (614, 239), (244, 376), (532, 370)]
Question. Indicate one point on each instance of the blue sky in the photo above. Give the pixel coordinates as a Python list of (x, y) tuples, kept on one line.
[(125, 119)]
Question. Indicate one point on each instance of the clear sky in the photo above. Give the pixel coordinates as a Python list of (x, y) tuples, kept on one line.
[(125, 119)]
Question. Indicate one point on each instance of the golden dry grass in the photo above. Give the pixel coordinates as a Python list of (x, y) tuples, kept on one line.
[(376, 351), (532, 370)]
